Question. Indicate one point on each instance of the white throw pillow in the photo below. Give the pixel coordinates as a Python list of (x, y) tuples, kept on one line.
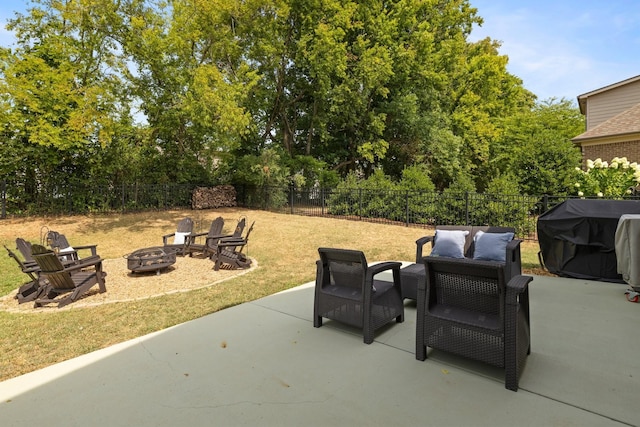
[(449, 243), (178, 238)]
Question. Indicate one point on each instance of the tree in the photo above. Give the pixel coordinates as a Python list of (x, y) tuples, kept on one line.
[(191, 80), (61, 103), (536, 148)]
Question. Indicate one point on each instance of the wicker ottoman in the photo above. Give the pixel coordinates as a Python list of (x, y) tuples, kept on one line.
[(410, 276)]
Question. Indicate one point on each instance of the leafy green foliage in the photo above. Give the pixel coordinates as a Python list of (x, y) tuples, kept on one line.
[(275, 93), (536, 148)]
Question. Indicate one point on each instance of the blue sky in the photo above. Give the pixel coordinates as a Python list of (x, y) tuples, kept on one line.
[(560, 48), (565, 48)]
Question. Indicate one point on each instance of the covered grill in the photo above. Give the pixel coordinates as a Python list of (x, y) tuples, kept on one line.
[(577, 238)]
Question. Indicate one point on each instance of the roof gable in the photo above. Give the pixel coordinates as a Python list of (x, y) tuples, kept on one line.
[(582, 99), (627, 122)]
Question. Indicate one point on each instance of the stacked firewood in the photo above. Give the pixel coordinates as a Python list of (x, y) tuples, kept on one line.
[(221, 196)]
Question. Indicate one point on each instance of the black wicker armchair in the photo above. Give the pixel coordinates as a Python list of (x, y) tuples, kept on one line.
[(467, 307), (346, 291)]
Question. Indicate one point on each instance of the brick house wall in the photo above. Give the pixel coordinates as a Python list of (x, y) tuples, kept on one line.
[(612, 122), (606, 152)]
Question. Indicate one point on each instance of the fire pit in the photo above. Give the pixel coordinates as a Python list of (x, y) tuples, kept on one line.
[(150, 259)]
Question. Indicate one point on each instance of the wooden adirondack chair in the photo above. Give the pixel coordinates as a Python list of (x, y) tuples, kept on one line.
[(229, 252), (198, 242), (66, 284), (60, 245), (181, 240), (31, 290)]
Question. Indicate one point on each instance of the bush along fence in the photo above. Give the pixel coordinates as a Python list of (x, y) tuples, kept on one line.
[(410, 208), (62, 200)]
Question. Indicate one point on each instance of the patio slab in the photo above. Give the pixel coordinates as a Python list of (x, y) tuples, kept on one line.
[(263, 363)]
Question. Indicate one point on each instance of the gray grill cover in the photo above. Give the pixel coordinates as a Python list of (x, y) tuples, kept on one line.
[(628, 249), (577, 238)]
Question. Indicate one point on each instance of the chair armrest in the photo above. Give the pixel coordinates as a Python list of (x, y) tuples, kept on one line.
[(165, 238), (383, 266), (420, 245), (225, 243), (374, 269), (223, 237), (192, 237), (30, 268), (230, 239), (516, 286), (90, 261), (90, 247)]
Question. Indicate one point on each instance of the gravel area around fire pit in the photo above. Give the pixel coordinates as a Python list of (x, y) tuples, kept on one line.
[(185, 275)]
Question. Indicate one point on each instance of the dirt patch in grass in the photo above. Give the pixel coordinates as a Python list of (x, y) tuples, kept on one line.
[(187, 274)]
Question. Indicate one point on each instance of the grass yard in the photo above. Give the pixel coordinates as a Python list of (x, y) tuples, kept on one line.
[(284, 246)]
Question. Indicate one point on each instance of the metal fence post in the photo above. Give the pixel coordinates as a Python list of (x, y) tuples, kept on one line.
[(3, 196), (291, 196), (407, 207), (466, 207)]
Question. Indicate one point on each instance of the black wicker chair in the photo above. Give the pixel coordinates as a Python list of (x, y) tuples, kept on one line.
[(467, 307), (346, 291), (413, 274)]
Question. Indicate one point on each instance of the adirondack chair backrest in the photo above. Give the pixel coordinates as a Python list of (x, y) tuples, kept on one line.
[(51, 266), (216, 227), (246, 238), (56, 240), (185, 226), (14, 256), (239, 228), (25, 249)]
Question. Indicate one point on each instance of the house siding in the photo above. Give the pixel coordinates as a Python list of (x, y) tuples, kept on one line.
[(605, 105)]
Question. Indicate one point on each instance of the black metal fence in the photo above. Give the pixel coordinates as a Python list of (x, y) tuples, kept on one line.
[(410, 208), (95, 199)]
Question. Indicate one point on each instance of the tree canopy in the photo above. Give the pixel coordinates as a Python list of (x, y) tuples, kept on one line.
[(207, 91)]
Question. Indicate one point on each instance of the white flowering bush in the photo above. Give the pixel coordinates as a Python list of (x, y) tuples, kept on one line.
[(613, 180)]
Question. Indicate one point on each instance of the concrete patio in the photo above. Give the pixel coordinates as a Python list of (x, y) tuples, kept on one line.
[(263, 364)]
